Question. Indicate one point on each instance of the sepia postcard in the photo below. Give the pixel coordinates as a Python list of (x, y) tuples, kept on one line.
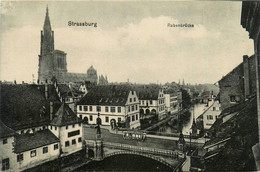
[(129, 86)]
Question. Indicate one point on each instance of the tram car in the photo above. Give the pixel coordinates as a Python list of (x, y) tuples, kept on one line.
[(134, 135)]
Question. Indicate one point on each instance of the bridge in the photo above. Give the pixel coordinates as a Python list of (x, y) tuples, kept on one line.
[(165, 150)]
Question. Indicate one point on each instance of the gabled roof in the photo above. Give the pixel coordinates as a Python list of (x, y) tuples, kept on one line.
[(26, 142), (23, 105), (243, 118), (240, 66), (5, 131), (147, 92), (73, 77), (65, 116), (115, 95)]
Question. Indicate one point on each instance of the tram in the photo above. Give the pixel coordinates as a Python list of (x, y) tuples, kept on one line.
[(134, 135)]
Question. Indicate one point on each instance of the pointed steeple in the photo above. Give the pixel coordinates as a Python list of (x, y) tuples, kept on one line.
[(47, 23)]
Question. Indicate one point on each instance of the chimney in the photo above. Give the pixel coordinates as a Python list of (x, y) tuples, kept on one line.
[(51, 111), (46, 90), (246, 76)]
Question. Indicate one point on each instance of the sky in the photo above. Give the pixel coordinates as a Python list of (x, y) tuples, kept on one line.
[(131, 41)]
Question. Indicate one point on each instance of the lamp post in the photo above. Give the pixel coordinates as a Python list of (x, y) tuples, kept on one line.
[(98, 123)]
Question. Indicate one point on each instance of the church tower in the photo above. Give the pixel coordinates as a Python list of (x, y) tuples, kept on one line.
[(52, 63), (47, 47)]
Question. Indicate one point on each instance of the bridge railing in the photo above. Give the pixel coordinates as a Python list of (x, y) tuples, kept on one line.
[(170, 134), (154, 151)]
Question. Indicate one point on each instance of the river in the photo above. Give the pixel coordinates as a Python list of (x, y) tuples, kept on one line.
[(172, 128), (124, 163)]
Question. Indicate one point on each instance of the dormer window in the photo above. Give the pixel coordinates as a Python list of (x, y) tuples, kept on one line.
[(5, 141)]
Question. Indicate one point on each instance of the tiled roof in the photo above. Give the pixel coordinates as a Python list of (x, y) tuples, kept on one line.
[(74, 77), (64, 116), (26, 142), (147, 92), (25, 105), (231, 72), (5, 131), (106, 95), (244, 117)]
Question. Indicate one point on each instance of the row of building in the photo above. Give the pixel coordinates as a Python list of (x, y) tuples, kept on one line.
[(124, 105), (38, 122), (231, 122), (35, 126)]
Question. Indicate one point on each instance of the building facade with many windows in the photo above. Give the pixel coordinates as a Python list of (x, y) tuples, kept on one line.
[(152, 101), (116, 104)]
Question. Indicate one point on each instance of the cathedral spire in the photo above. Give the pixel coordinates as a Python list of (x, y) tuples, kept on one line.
[(47, 23)]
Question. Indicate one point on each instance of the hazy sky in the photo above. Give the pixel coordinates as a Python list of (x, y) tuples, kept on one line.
[(132, 39)]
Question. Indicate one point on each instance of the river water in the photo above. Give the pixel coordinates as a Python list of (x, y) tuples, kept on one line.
[(124, 163), (172, 127)]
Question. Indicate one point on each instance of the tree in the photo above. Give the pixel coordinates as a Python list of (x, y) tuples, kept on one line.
[(186, 100)]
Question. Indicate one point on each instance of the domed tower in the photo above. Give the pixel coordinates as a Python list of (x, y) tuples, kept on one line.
[(92, 75)]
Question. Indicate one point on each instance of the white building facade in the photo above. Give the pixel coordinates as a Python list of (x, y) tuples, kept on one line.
[(211, 114), (123, 106)]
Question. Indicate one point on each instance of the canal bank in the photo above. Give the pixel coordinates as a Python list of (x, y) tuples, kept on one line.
[(171, 127)]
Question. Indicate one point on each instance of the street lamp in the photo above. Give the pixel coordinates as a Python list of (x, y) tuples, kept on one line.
[(98, 123)]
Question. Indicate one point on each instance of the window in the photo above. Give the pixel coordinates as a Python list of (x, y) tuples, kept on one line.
[(119, 119), (232, 98), (213, 108), (106, 109), (136, 107), (22, 131), (237, 98), (55, 128), (130, 100), (107, 119), (136, 116), (79, 124), (56, 146), (74, 141), (45, 150), (132, 92), (143, 102), (5, 164), (129, 109), (209, 117), (67, 143), (119, 109), (112, 109), (67, 127), (151, 102), (98, 108), (80, 116), (85, 108), (44, 127), (79, 139), (80, 108), (133, 118), (19, 157), (133, 108), (91, 118), (134, 99), (90, 108), (73, 133), (51, 127), (33, 153), (73, 126), (5, 141)]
